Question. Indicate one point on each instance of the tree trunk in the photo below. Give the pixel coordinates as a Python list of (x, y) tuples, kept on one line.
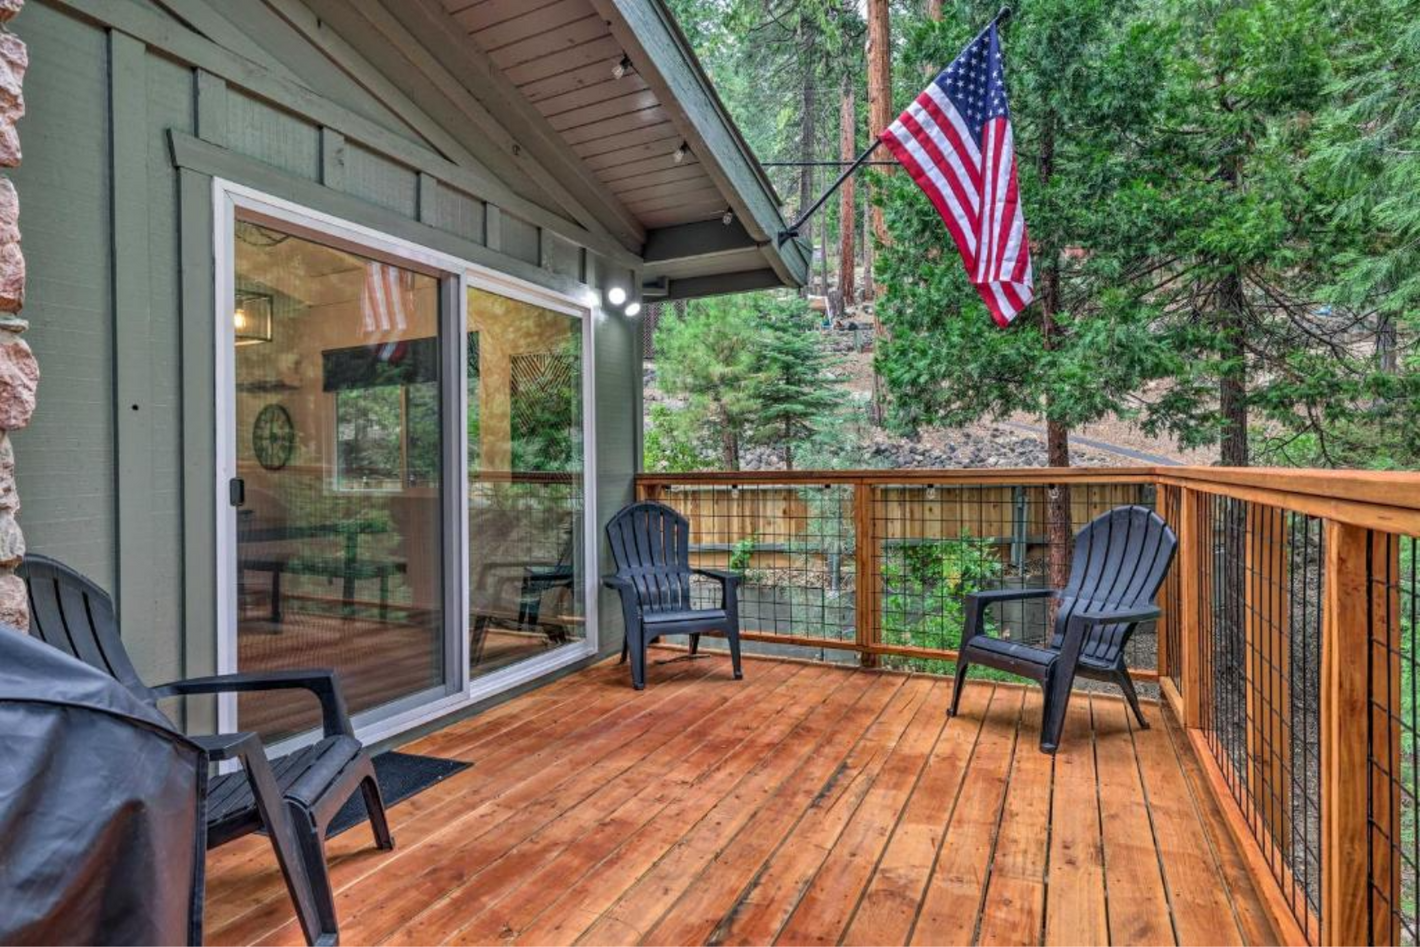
[(1059, 527), (1232, 381), (1386, 344), (847, 219), (729, 445), (934, 9), (808, 107), (1232, 385), (879, 86), (869, 290)]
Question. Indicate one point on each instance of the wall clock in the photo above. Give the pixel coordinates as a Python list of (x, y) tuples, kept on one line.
[(273, 437)]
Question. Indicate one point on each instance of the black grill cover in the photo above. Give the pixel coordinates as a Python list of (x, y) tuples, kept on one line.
[(100, 798)]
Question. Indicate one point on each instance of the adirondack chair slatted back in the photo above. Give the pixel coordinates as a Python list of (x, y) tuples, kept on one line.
[(1121, 558), (650, 544), (72, 613)]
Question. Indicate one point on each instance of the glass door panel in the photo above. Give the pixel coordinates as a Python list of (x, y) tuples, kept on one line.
[(525, 472), (339, 543)]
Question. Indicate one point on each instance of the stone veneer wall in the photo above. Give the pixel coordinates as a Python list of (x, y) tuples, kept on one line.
[(19, 375)]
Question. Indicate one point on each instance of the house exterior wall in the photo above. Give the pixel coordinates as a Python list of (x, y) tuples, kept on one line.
[(19, 373), (133, 115)]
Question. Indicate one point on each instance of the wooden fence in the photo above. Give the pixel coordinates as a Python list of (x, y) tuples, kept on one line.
[(1287, 646)]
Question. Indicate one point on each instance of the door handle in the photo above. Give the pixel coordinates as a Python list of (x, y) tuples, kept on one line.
[(236, 491)]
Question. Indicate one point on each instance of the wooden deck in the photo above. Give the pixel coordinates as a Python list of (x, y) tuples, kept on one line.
[(807, 804)]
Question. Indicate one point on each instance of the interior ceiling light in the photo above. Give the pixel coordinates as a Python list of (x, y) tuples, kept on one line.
[(616, 295), (621, 68), (681, 150), (634, 309)]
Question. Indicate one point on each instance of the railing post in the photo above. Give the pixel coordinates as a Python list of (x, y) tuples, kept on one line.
[(1191, 561), (865, 581), (1345, 739), (1386, 644)]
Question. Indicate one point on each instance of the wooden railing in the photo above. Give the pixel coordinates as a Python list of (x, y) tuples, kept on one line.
[(1287, 646)]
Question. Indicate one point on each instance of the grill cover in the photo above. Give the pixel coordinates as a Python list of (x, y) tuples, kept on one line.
[(100, 808)]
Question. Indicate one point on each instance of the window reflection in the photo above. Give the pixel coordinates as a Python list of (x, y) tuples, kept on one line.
[(525, 480), (339, 560)]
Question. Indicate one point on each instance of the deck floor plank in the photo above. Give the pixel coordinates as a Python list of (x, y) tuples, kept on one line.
[(952, 903), (807, 804), (1138, 904), (1075, 902), (429, 905), (1014, 912), (677, 756)]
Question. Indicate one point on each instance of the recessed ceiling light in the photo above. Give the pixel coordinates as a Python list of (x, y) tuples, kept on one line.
[(634, 309), (616, 295)]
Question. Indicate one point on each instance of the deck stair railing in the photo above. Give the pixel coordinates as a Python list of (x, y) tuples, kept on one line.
[(1287, 649)]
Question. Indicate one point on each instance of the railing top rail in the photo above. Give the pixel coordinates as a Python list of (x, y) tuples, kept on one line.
[(944, 476), (1386, 500)]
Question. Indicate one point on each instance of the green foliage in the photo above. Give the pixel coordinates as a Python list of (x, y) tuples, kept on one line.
[(752, 370), (741, 554), (706, 355), (673, 445), (925, 586), (793, 387)]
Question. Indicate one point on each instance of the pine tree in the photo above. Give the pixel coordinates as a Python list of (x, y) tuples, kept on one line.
[(794, 390), (707, 356)]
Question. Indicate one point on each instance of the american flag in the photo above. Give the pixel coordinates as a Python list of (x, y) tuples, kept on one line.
[(385, 301), (956, 141)]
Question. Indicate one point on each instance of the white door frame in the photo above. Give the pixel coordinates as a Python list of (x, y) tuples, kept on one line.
[(457, 276)]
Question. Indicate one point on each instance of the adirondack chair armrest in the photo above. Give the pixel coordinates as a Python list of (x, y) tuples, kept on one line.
[(230, 746), (1080, 623), (978, 602), (729, 584), (1119, 616), (618, 583), (720, 575), (322, 682)]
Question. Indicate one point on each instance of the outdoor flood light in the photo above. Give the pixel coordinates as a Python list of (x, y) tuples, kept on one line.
[(681, 150), (621, 68), (616, 295), (633, 310)]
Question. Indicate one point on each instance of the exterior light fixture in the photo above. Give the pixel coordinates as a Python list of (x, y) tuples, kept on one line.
[(616, 295), (633, 310), (621, 68), (728, 217), (681, 150), (251, 318)]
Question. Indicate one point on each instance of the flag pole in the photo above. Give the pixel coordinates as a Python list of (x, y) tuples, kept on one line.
[(788, 233)]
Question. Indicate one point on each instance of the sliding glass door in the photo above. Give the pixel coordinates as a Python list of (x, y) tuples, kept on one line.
[(339, 546), (402, 470), (526, 497)]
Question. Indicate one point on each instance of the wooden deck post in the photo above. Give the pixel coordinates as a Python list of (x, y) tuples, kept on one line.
[(1191, 561), (1345, 793), (1386, 644), (865, 579), (1268, 663)]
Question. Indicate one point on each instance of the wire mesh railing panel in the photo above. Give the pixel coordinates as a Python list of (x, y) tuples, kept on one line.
[(1170, 507), (1393, 846), (794, 546), (935, 544), (1259, 613)]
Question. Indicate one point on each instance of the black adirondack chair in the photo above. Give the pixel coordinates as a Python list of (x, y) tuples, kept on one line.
[(1121, 558), (294, 799), (650, 544)]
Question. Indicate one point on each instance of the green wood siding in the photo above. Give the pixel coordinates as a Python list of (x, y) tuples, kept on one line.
[(126, 128)]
